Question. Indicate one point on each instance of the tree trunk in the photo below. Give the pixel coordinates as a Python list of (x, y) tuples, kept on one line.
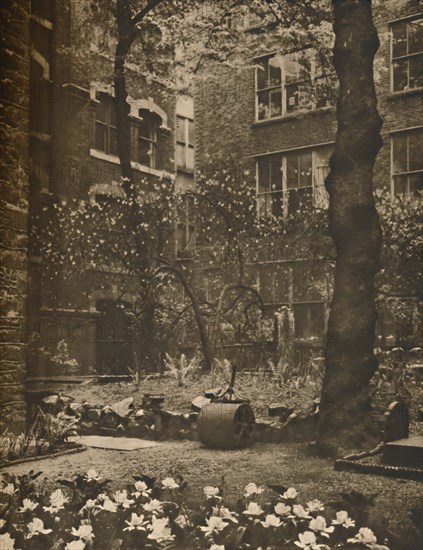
[(354, 226)]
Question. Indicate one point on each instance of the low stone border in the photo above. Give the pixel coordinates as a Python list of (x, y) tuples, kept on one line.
[(379, 469), (76, 448)]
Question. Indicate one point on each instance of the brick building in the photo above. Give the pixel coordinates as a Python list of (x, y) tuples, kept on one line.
[(274, 119)]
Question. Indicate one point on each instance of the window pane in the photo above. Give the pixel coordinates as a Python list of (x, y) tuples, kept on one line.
[(100, 137), (113, 149), (415, 155), (399, 39), (145, 129), (112, 112), (190, 158), (291, 68), (101, 110), (180, 129), (262, 74), (275, 74), (416, 183), (263, 105), (144, 152), (263, 176), (191, 132), (291, 97), (416, 71), (305, 170), (400, 184), (276, 205), (275, 102), (292, 171), (399, 154), (180, 155), (415, 36), (400, 74), (275, 173)]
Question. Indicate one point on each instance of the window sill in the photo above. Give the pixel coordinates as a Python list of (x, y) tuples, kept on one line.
[(293, 116), (404, 93), (135, 165)]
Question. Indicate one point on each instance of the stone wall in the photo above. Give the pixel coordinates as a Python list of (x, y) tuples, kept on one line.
[(14, 101)]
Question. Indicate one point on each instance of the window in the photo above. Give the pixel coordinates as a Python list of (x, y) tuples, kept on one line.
[(184, 143), (147, 139), (291, 180), (407, 162), (106, 125), (284, 84), (407, 55)]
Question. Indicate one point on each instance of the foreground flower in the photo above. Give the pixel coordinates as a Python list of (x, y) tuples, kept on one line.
[(224, 513), (36, 527), (141, 489), (161, 531), (271, 521), (300, 512), (89, 505), (308, 541), (75, 545), (57, 500), (217, 547), (252, 489), (169, 483), (253, 509), (84, 532), (211, 492), (315, 506), (121, 497), (343, 519), (319, 524), (181, 520), (290, 494), (136, 522), (27, 504), (92, 475), (9, 489), (214, 525), (364, 536), (6, 542), (154, 506), (282, 509), (108, 505)]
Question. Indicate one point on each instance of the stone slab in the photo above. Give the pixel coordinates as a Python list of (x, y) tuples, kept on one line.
[(404, 452), (116, 443)]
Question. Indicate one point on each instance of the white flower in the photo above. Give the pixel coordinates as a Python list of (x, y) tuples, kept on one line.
[(9, 489), (121, 497), (161, 531), (214, 525), (225, 513), (217, 547), (319, 524), (6, 542), (290, 494), (141, 489), (253, 509), (137, 523), (75, 545), (169, 483), (271, 521), (282, 509), (28, 504), (108, 505), (181, 520), (153, 505), (2, 524), (93, 475), (89, 505), (364, 536), (57, 500), (211, 492), (343, 519), (36, 527), (308, 541), (315, 506), (84, 532), (300, 512), (252, 489)]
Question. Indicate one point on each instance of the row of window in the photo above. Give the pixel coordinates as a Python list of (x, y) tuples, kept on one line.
[(287, 182), (144, 135), (296, 81)]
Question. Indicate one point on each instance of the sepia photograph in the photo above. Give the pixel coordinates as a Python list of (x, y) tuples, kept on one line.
[(211, 274)]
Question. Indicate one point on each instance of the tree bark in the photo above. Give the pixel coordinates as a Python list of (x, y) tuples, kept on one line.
[(354, 226)]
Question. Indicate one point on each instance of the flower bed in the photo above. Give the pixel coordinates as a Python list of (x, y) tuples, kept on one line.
[(83, 513)]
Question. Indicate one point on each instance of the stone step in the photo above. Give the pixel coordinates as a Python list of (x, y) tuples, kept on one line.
[(404, 452)]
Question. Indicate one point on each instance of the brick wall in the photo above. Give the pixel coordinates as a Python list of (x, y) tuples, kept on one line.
[(14, 101)]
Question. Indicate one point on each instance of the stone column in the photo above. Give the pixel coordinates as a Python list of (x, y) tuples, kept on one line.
[(14, 187)]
